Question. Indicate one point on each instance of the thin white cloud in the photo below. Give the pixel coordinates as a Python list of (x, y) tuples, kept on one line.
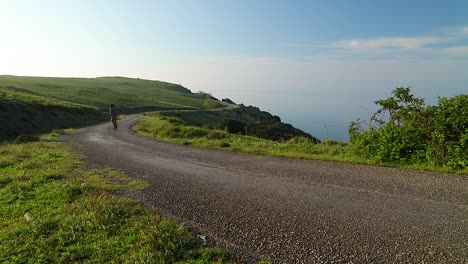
[(406, 43), (448, 42), (464, 30), (459, 50)]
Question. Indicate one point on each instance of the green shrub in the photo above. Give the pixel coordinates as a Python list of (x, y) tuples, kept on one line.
[(225, 145), (175, 120), (209, 104), (21, 139), (216, 135), (276, 131), (172, 132), (233, 126), (192, 132), (300, 140), (406, 131)]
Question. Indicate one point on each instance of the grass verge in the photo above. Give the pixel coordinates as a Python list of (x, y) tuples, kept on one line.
[(172, 129), (24, 113), (51, 210)]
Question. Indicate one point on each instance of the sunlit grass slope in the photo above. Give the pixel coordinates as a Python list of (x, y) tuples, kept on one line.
[(23, 113), (127, 93), (53, 211), (173, 129)]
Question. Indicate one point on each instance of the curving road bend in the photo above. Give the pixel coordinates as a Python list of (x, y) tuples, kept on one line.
[(294, 211)]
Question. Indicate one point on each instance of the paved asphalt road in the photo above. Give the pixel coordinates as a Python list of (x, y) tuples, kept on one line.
[(294, 211)]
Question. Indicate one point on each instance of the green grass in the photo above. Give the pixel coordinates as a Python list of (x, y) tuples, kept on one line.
[(126, 93), (174, 129), (51, 210), (240, 119), (23, 113)]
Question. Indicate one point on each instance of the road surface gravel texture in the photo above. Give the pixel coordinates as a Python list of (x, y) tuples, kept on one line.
[(291, 210)]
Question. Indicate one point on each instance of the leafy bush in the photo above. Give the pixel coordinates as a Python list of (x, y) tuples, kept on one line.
[(168, 131), (404, 130), (175, 120), (193, 132), (233, 126), (225, 145), (216, 135), (276, 131), (300, 140), (24, 138), (209, 104)]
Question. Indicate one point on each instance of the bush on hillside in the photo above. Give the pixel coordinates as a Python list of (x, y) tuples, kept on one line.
[(25, 138), (216, 135), (210, 104), (204, 95), (227, 100), (168, 131), (225, 145), (233, 126), (193, 132), (404, 130), (276, 131), (300, 140)]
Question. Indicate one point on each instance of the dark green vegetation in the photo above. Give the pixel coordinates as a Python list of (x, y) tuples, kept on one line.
[(405, 131), (242, 120), (34, 105), (413, 135), (24, 138), (22, 113), (52, 211)]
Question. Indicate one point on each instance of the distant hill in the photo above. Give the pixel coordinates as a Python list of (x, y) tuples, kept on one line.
[(126, 93)]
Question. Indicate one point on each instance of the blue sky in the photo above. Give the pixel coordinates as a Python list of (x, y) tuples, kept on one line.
[(315, 63)]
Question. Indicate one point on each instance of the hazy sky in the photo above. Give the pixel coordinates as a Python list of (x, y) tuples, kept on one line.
[(317, 64)]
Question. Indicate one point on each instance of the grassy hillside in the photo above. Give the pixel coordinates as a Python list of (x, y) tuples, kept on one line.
[(36, 105), (173, 129), (242, 120), (23, 113), (126, 93)]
